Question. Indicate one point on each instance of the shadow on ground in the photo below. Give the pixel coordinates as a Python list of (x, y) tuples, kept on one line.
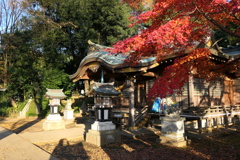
[(65, 150), (143, 147), (223, 146), (24, 126)]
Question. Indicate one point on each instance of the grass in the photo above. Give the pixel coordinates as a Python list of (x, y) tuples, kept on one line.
[(21, 105), (32, 110)]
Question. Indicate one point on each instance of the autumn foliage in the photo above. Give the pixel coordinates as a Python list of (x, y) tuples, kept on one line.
[(176, 29)]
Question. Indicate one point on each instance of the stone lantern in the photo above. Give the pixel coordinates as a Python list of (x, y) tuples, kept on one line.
[(54, 120), (103, 106), (103, 131)]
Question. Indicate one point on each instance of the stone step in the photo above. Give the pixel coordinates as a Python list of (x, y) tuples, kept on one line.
[(133, 128)]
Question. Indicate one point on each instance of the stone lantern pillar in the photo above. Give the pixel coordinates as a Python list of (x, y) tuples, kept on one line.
[(54, 120)]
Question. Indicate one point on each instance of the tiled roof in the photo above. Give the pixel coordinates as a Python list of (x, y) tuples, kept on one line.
[(115, 59), (232, 51)]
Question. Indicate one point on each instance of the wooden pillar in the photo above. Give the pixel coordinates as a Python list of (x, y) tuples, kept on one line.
[(86, 86), (146, 87), (231, 90), (131, 104), (190, 92), (209, 124), (199, 125), (138, 96), (226, 121)]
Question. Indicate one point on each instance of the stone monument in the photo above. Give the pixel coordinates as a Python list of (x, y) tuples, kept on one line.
[(54, 120), (103, 131), (68, 112), (173, 128)]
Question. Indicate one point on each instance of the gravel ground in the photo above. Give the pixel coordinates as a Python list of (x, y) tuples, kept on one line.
[(221, 146), (224, 146)]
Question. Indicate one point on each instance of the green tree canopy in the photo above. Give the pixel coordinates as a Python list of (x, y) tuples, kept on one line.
[(103, 22), (50, 40)]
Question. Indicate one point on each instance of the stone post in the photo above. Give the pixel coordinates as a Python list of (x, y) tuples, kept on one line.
[(68, 111)]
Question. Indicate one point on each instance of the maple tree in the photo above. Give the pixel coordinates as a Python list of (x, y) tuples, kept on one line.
[(177, 28)]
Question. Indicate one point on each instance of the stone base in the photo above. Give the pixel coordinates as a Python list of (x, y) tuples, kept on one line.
[(172, 125), (54, 117), (68, 114), (53, 122), (173, 140), (101, 138), (173, 131), (103, 126), (69, 121)]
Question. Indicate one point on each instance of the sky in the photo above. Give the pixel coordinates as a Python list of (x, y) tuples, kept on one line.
[(10, 11)]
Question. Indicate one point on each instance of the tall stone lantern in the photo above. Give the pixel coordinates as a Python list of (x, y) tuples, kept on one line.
[(54, 120), (103, 131)]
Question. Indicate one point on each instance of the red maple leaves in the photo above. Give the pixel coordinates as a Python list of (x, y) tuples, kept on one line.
[(175, 76), (177, 28)]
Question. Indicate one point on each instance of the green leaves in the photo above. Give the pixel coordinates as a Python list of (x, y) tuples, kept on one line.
[(51, 40)]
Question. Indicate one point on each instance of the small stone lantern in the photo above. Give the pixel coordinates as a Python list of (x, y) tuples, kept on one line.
[(54, 120)]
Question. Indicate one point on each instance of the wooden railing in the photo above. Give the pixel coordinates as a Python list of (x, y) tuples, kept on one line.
[(211, 117), (205, 111), (141, 114), (22, 113)]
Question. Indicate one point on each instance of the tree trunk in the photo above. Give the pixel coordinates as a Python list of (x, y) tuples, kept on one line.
[(13, 103)]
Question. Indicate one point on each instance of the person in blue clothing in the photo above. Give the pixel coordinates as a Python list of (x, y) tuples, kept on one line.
[(156, 105)]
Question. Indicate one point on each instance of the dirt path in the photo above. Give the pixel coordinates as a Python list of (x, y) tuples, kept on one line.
[(20, 125)]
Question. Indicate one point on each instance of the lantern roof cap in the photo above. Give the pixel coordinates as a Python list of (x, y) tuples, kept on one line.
[(3, 89), (55, 93), (104, 89)]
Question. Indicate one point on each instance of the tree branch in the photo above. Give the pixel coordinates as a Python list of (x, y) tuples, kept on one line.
[(218, 24)]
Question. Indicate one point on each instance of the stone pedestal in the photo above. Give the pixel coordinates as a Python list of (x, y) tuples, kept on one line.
[(53, 122), (102, 133), (68, 114), (173, 131), (103, 126)]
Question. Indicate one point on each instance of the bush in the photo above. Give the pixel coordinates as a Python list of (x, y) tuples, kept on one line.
[(6, 110), (3, 111), (12, 112), (45, 108), (76, 109)]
